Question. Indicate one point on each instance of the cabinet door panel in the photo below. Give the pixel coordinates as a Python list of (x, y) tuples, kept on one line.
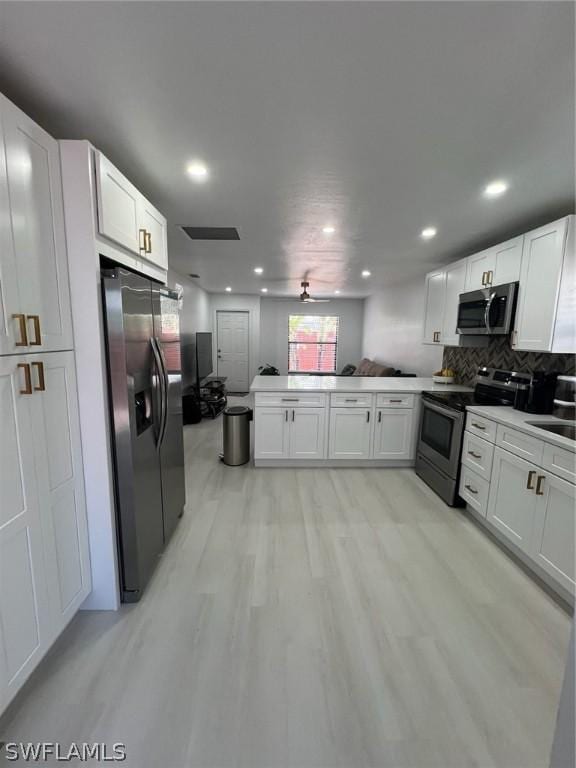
[(271, 433), (511, 505), (542, 259), (479, 265), (393, 432), (507, 260), (350, 433), (24, 617), (434, 307), (553, 539), (40, 262), (118, 206), (307, 433), (455, 281), (61, 486), (155, 225)]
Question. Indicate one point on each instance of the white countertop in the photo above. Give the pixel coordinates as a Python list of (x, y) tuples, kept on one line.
[(350, 384), (504, 414)]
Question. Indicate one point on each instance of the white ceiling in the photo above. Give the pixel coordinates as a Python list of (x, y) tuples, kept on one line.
[(379, 118)]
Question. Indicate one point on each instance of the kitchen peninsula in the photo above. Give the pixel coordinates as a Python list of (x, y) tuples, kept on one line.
[(345, 421)]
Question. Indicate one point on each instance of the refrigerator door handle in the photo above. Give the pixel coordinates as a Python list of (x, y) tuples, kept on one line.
[(166, 388), (162, 380)]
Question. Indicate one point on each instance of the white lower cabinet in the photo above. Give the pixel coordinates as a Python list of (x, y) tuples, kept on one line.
[(271, 433), (44, 563), (307, 433), (289, 433), (350, 433), (536, 511), (393, 433), (552, 544), (512, 499)]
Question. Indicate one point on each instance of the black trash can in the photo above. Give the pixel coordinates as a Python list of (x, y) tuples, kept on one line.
[(236, 441)]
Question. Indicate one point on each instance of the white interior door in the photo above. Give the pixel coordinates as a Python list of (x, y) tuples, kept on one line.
[(232, 349)]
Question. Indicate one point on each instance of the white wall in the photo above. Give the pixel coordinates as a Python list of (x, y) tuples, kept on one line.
[(274, 321), (231, 303), (393, 323), (195, 315)]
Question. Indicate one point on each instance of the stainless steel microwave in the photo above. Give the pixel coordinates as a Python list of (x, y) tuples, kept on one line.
[(488, 311)]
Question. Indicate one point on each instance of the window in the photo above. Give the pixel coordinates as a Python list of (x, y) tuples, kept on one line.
[(312, 343)]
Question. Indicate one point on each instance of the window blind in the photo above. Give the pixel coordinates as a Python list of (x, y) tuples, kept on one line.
[(312, 343)]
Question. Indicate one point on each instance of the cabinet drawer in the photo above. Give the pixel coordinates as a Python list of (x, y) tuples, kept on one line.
[(474, 490), (477, 454), (560, 461), (529, 448), (394, 401), (290, 400), (351, 400), (481, 427)]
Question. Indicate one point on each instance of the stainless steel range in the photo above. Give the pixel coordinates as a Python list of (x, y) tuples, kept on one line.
[(442, 426)]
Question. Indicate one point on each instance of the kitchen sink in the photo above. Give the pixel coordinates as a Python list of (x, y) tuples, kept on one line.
[(565, 430)]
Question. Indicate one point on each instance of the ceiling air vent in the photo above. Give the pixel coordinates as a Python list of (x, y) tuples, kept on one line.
[(212, 233)]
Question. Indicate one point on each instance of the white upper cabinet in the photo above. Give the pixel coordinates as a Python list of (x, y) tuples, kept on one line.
[(507, 259), (153, 226), (127, 218), (434, 299), (34, 291), (495, 266), (118, 206), (547, 292), (479, 267), (455, 279)]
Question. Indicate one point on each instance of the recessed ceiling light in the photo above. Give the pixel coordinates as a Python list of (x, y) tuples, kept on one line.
[(258, 270), (366, 273), (336, 291), (328, 229), (228, 289), (264, 290), (198, 171), (495, 188), (428, 233)]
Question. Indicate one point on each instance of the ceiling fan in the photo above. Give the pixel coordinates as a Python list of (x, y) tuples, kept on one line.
[(305, 296)]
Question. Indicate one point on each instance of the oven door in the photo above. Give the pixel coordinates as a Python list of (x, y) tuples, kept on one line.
[(487, 312), (440, 438)]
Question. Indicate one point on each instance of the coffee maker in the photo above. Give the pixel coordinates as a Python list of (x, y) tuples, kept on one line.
[(537, 394)]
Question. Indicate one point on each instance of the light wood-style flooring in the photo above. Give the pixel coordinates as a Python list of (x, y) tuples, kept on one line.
[(312, 618)]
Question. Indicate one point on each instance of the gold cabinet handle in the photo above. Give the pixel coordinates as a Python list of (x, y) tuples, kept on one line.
[(475, 455), (41, 380), (539, 491), (142, 239), (529, 485), (23, 332), (490, 277), (478, 426), (472, 490), (37, 332), (148, 242), (484, 278), (27, 379)]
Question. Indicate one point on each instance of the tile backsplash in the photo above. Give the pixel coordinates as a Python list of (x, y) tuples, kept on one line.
[(498, 354)]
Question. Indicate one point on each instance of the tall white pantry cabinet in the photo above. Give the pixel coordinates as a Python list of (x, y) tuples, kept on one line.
[(44, 558)]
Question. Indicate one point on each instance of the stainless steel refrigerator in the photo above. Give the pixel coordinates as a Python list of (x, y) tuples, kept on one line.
[(145, 394)]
